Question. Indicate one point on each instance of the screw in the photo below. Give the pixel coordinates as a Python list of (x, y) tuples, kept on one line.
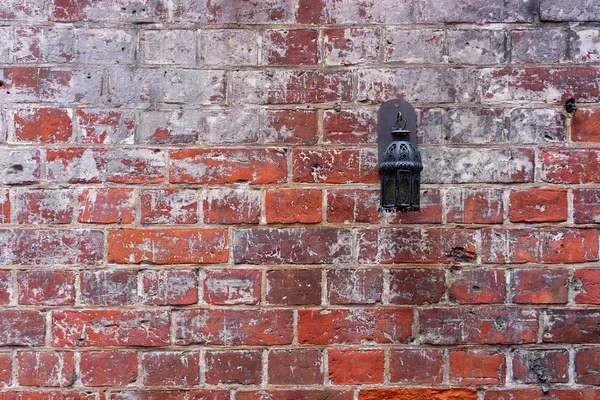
[(397, 105)]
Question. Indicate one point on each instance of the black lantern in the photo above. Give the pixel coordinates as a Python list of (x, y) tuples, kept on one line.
[(400, 163)]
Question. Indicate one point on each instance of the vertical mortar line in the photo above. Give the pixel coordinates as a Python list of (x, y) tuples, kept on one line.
[(15, 368), (509, 367), (296, 320), (571, 367), (385, 295), (444, 200), (230, 239), (324, 288), (265, 368), (505, 206), (14, 288), (320, 47), (325, 358), (200, 280), (386, 365), (259, 47), (324, 192), (77, 368), (509, 286), (264, 287), (140, 369), (446, 366), (570, 207), (202, 366)]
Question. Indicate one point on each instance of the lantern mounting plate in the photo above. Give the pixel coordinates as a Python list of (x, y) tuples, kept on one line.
[(387, 120)]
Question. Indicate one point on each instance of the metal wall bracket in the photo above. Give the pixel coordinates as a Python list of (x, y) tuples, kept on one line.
[(387, 119)]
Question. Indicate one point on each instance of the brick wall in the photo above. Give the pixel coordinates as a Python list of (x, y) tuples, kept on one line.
[(189, 194)]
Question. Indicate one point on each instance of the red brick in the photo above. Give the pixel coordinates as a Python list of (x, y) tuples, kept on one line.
[(417, 366), (107, 206), (295, 246), (570, 165), (291, 126), (234, 367), (167, 246), (295, 367), (295, 394), (477, 367), (587, 366), (291, 47), (108, 287), (350, 126), (46, 368), (5, 286), (289, 206), (353, 205), (537, 366), (334, 166), (172, 395), (15, 9), (104, 327), (169, 206), (416, 245), (105, 126), (6, 364), (43, 395), (232, 286), (171, 368), (417, 286), (255, 327), (347, 367), (429, 213), (355, 326), (43, 125), (46, 247), (4, 207), (169, 287), (585, 126), (543, 245), (538, 205), (42, 206), (75, 166), (350, 46), (101, 10), (22, 328), (417, 394), (294, 286), (587, 283), (300, 87), (136, 166), (354, 286), (221, 166), (108, 368), (540, 286), (461, 326), (478, 286), (23, 83), (46, 288), (571, 326), (541, 394), (586, 206), (232, 206), (474, 206)]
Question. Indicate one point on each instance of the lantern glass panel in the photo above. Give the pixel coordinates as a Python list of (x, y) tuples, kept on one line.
[(403, 191), (416, 190), (389, 189)]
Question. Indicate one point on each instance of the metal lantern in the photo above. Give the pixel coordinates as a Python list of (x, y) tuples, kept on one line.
[(400, 163)]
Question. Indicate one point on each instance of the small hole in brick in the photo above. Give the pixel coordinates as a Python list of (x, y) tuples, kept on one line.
[(122, 48), (1, 83), (17, 167), (242, 181), (476, 289)]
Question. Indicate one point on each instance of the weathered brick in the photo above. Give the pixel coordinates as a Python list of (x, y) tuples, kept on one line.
[(354, 286), (355, 366), (15, 10), (43, 44), (81, 85), (108, 288), (539, 286), (416, 286), (290, 47), (421, 394), (587, 365), (539, 394), (6, 367), (584, 125), (19, 166), (352, 205), (536, 366), (169, 206), (295, 367), (42, 206), (543, 245), (108, 11), (22, 328), (538, 205), (477, 126), (361, 11), (169, 287), (209, 394), (224, 12), (583, 44), (350, 126), (7, 47), (168, 47), (4, 206), (579, 10), (476, 46), (496, 325), (234, 367), (477, 367), (108, 368), (232, 286), (168, 127), (231, 206), (587, 286), (46, 247), (478, 11), (214, 166), (47, 395), (312, 394), (350, 46), (107, 206), (414, 46), (571, 326), (102, 46), (6, 278), (222, 47), (474, 206), (294, 246), (289, 206), (294, 286), (355, 326), (530, 126), (430, 211), (570, 165), (135, 166), (478, 286), (334, 166), (46, 288), (290, 126), (170, 368), (96, 126), (416, 366), (539, 46), (167, 246), (477, 165), (46, 368), (256, 327), (229, 126), (416, 245), (20, 84), (106, 327)]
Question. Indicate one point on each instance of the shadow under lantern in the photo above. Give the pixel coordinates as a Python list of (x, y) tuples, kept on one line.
[(400, 163)]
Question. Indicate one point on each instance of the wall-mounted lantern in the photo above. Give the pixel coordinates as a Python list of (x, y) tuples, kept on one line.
[(399, 160)]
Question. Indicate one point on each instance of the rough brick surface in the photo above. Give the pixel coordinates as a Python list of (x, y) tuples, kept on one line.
[(189, 200)]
